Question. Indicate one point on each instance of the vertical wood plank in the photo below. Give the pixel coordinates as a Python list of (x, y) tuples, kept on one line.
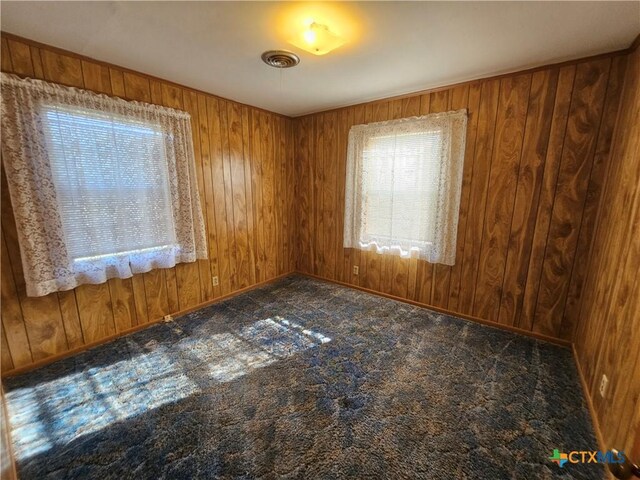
[(229, 196), (207, 196), (593, 195), (573, 178), (96, 77), (155, 287), (329, 195), (277, 188), (236, 165), (190, 103), (5, 57), (268, 193), (96, 313), (61, 69), (117, 83), (123, 303), (21, 58), (256, 185), (342, 254), (503, 177), (71, 318), (36, 60), (292, 191), (140, 299), (6, 362), (483, 151), (318, 183), (136, 87), (473, 103), (226, 246), (534, 151), (247, 157), (12, 317), (303, 193), (287, 190), (555, 143)]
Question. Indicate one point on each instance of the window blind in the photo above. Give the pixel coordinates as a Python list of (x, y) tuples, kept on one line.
[(111, 181)]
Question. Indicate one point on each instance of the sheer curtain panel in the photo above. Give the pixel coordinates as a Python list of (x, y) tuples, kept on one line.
[(100, 187), (403, 185)]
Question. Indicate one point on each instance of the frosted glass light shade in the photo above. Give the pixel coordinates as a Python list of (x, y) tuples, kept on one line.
[(317, 39)]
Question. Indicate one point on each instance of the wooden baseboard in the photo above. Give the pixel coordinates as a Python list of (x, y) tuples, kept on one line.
[(527, 333), (82, 348)]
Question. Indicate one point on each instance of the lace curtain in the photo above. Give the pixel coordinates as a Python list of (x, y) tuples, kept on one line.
[(100, 187), (403, 186)]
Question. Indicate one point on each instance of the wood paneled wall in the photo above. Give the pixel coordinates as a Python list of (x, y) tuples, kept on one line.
[(245, 176), (608, 337), (537, 147), (537, 152)]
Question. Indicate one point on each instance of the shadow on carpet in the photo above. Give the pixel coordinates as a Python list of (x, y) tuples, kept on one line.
[(305, 379)]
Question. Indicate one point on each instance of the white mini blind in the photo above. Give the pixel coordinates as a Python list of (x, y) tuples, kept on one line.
[(101, 188), (403, 186), (397, 171), (111, 181)]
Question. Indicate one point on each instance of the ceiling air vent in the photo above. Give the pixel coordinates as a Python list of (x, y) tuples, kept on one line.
[(280, 58)]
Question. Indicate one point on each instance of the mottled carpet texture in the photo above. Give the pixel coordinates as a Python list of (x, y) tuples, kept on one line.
[(305, 379)]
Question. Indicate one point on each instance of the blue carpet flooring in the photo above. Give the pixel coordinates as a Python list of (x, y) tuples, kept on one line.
[(305, 379)]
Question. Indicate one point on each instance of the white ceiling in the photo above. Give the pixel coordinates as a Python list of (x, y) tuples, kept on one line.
[(401, 47)]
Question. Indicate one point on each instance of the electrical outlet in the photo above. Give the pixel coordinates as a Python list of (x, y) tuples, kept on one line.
[(215, 281), (603, 385), (168, 318), (356, 269)]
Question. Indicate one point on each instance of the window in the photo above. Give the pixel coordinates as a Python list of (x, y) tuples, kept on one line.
[(100, 187), (111, 182), (403, 186)]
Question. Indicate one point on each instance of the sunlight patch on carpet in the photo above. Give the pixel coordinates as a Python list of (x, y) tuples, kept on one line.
[(59, 411)]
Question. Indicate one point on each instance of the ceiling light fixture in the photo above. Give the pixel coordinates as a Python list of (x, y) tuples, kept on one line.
[(317, 39), (280, 58)]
